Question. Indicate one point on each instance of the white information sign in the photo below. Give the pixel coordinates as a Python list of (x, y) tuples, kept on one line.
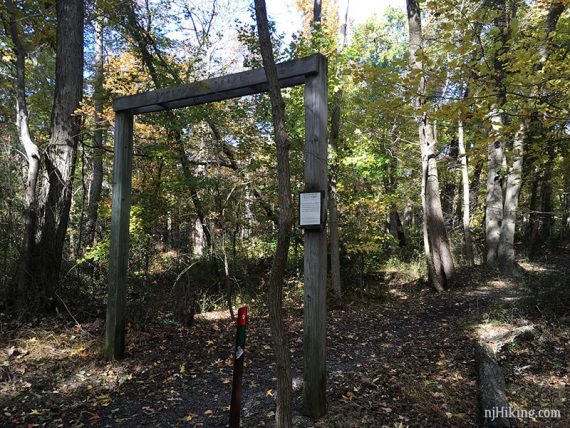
[(310, 209)]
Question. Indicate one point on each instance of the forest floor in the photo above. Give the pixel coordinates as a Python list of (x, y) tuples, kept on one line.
[(406, 360)]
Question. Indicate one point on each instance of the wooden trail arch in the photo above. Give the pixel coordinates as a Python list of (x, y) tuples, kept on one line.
[(310, 71)]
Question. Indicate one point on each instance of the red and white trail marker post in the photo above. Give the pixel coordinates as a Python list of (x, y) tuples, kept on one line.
[(235, 406)]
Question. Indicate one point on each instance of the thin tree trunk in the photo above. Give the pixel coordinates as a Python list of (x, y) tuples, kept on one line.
[(97, 156), (390, 183), (432, 277), (511, 201), (436, 244), (467, 241), (317, 6), (396, 229), (408, 215), (279, 334), (547, 218), (334, 240), (475, 186), (21, 293), (176, 135), (228, 150), (334, 142), (534, 218), (333, 206), (143, 42), (565, 196)]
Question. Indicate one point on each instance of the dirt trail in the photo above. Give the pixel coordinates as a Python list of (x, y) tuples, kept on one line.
[(405, 362)]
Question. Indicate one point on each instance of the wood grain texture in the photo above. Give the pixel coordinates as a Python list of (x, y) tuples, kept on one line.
[(290, 73), (315, 311), (119, 251)]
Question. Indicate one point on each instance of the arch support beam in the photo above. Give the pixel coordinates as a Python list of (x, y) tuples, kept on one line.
[(119, 250), (315, 250)]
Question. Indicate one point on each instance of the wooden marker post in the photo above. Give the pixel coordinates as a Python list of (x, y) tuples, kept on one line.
[(315, 273), (235, 406)]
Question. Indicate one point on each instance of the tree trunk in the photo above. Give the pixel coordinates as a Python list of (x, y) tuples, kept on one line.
[(334, 240), (41, 261), (279, 334), (533, 218), (432, 277), (336, 117), (60, 156), (228, 150), (467, 241), (317, 6), (555, 11), (143, 42), (491, 389), (496, 152), (494, 208), (475, 186), (408, 215), (547, 216), (444, 268), (390, 184), (333, 206), (97, 156), (21, 293), (395, 223), (506, 251), (436, 244), (565, 202)]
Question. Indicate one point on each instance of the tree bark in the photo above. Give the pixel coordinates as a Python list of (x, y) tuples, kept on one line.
[(390, 184), (547, 218), (333, 195), (506, 252), (475, 186), (60, 156), (467, 241), (496, 152), (506, 245), (228, 150), (41, 261), (494, 207), (490, 388), (279, 334), (336, 283), (144, 42), (436, 244), (444, 268), (97, 156), (333, 205), (20, 293)]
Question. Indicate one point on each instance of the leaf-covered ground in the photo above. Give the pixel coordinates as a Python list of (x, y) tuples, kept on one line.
[(405, 361)]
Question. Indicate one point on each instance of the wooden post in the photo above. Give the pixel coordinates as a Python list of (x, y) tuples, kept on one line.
[(315, 311), (119, 251), (235, 404)]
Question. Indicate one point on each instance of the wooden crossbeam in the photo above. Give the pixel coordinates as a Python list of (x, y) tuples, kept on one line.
[(291, 73)]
